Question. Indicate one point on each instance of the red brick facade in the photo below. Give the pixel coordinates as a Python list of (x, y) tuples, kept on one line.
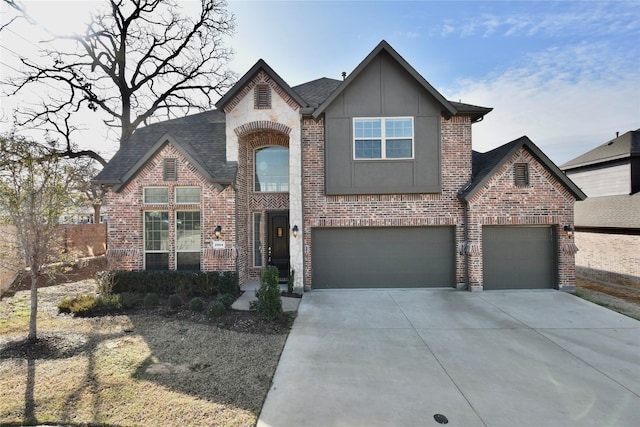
[(545, 201), (126, 211)]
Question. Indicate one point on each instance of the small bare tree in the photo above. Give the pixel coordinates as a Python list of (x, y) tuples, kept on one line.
[(34, 191), (137, 60)]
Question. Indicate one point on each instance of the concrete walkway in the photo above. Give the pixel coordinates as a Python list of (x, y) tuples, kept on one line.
[(406, 357), (249, 294)]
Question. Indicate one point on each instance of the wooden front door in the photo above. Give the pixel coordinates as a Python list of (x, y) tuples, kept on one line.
[(278, 239)]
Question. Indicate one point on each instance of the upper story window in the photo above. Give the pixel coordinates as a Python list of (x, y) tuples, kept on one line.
[(383, 138), (155, 195), (187, 195), (262, 96), (271, 169), (521, 174)]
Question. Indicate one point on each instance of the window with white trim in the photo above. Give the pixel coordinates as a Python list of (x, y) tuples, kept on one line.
[(271, 169), (186, 195), (383, 138), (155, 195), (156, 240), (257, 239), (188, 239)]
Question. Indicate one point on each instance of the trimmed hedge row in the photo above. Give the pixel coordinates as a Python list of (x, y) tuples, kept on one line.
[(169, 282)]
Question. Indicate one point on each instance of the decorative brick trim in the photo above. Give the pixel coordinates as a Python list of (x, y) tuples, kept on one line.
[(382, 222), (521, 220), (260, 126), (363, 198)]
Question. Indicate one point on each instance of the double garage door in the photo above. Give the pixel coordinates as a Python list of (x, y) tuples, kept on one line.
[(518, 257), (399, 257)]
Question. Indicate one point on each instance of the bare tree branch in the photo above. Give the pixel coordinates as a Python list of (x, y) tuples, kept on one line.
[(137, 61)]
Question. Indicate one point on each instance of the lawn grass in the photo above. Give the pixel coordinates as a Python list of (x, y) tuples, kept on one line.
[(98, 373)]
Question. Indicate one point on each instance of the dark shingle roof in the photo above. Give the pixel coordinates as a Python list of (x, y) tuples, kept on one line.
[(476, 112), (625, 145), (316, 91), (485, 165), (609, 212), (201, 137)]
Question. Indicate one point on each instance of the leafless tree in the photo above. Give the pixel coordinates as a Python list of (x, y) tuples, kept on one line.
[(137, 61), (35, 184)]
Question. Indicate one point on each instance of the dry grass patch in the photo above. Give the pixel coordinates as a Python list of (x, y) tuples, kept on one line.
[(126, 370)]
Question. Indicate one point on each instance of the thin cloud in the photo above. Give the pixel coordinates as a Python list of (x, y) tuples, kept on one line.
[(567, 100), (594, 20)]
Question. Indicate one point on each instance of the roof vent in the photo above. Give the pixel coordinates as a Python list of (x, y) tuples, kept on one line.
[(344, 75)]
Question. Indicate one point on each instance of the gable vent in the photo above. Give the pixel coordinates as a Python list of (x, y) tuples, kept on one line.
[(262, 94), (170, 170), (522, 174)]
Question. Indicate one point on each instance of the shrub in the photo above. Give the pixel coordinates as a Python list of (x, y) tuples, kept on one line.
[(269, 302), (196, 304), (106, 303), (151, 300), (175, 301), (106, 281), (129, 300), (208, 283), (217, 309), (227, 300), (78, 305)]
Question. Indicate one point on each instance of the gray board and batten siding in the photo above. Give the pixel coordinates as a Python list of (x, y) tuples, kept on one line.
[(383, 257), (383, 89)]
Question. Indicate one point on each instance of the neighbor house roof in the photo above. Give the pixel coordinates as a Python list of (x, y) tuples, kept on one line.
[(609, 212), (485, 166), (200, 138), (447, 108), (625, 145)]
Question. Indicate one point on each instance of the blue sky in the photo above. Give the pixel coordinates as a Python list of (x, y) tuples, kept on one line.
[(564, 73)]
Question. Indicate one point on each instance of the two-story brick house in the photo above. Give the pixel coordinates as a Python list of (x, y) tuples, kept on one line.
[(370, 181)]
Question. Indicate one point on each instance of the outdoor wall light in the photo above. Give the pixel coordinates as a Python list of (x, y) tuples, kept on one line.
[(217, 231), (294, 231), (569, 230)]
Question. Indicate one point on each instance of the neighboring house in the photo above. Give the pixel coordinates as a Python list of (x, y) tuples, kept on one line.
[(366, 182), (608, 222)]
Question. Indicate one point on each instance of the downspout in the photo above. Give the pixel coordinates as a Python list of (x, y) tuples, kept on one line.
[(467, 273)]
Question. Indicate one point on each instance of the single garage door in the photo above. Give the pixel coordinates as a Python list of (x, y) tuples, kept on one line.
[(401, 257), (518, 257)]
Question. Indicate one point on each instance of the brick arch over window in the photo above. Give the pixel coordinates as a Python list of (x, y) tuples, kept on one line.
[(264, 138), (262, 126)]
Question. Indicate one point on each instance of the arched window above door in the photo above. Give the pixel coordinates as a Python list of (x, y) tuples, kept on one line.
[(271, 166)]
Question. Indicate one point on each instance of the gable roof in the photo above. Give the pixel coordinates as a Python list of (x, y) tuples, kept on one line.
[(447, 108), (249, 75), (485, 166), (199, 137), (623, 146)]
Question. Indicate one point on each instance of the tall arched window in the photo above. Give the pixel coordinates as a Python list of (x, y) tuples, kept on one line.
[(272, 169)]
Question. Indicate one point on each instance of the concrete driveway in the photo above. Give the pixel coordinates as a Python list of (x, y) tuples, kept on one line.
[(399, 357)]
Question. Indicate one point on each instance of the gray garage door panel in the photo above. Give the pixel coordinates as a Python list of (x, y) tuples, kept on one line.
[(518, 257), (383, 257)]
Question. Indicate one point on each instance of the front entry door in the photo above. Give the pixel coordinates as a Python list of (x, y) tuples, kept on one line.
[(278, 238)]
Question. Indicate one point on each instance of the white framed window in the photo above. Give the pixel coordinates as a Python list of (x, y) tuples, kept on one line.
[(257, 239), (271, 169), (155, 195), (188, 238), (156, 240), (383, 138), (187, 195)]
